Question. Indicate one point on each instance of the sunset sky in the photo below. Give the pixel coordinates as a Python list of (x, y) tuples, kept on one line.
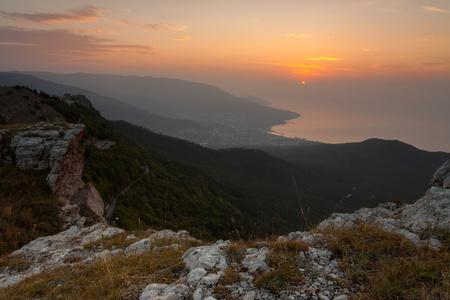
[(296, 54)]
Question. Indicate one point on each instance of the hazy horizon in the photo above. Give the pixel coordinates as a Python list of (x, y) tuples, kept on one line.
[(353, 69)]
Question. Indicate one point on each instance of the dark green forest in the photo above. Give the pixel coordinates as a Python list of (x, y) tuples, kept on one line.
[(329, 178), (158, 192)]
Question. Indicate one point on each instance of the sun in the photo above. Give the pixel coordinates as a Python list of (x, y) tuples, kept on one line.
[(303, 82)]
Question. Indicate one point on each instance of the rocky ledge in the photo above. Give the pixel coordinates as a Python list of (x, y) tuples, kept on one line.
[(204, 265), (207, 266), (55, 146)]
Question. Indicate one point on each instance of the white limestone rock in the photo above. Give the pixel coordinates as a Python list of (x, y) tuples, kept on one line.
[(141, 246), (254, 259), (207, 257), (157, 291), (211, 279), (195, 276), (47, 253), (441, 177)]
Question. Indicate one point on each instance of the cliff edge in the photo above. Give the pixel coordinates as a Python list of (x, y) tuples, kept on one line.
[(55, 147)]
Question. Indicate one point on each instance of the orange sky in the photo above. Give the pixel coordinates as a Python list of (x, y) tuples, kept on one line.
[(235, 45), (287, 39)]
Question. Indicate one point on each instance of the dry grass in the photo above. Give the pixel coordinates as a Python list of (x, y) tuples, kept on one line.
[(236, 252), (387, 266), (108, 243), (103, 279), (284, 259)]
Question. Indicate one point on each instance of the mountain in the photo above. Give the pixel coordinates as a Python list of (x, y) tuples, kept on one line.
[(156, 180), (178, 99), (227, 131), (374, 162), (146, 188), (110, 107), (256, 99), (325, 177)]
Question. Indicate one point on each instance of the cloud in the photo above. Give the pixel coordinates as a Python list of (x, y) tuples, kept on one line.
[(164, 26), (158, 26), (181, 38), (435, 9), (388, 6), (24, 44), (95, 30), (16, 44), (325, 58), (85, 13), (128, 22), (433, 64), (300, 35)]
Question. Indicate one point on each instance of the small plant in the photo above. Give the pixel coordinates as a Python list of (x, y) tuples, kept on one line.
[(280, 278), (284, 259), (235, 253), (229, 277), (222, 292), (285, 253), (14, 263), (398, 201)]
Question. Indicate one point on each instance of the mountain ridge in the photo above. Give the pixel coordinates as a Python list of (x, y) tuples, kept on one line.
[(174, 97), (231, 132)]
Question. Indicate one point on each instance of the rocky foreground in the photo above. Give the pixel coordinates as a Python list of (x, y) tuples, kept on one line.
[(205, 267)]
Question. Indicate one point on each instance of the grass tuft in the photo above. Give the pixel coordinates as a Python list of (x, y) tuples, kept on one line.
[(282, 277), (229, 277), (388, 266), (235, 252)]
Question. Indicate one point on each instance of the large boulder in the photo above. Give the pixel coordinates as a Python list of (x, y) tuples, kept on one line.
[(441, 177)]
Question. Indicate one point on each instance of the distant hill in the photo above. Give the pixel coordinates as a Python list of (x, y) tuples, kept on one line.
[(256, 99), (373, 162), (178, 99), (20, 106), (110, 107)]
